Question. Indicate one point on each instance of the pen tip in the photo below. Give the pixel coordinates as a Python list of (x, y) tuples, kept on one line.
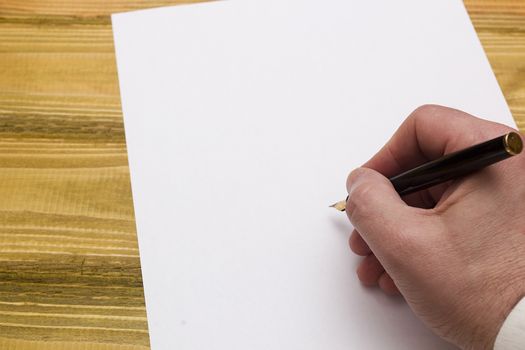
[(341, 206)]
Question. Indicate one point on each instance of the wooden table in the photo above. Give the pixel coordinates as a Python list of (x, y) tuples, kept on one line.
[(69, 264)]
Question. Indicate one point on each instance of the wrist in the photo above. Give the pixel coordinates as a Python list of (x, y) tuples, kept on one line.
[(504, 301), (483, 310)]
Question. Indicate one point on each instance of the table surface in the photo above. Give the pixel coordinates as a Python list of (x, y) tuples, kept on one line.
[(69, 263)]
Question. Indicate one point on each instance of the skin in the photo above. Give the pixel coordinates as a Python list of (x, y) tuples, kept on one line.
[(455, 252)]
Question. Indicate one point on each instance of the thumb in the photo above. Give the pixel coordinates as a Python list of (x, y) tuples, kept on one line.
[(375, 209)]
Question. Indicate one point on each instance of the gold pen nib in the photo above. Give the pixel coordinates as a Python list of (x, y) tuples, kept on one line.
[(341, 206)]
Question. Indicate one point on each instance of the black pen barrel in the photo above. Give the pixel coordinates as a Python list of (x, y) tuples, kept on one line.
[(457, 164)]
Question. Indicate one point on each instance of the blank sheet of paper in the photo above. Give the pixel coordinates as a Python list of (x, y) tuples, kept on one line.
[(243, 119)]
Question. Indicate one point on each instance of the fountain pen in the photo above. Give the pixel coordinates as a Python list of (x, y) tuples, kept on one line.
[(453, 165)]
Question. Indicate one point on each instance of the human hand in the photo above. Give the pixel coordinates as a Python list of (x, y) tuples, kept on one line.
[(456, 252)]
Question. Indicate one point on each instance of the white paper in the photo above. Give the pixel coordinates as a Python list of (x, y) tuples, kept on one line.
[(243, 119)]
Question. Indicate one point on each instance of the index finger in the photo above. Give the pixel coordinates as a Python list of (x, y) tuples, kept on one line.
[(430, 132)]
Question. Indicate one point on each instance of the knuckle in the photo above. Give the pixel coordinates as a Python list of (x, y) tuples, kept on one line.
[(357, 205), (432, 114), (426, 109), (361, 192), (353, 176), (425, 112)]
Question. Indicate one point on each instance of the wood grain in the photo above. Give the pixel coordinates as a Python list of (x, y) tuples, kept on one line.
[(500, 25), (69, 267)]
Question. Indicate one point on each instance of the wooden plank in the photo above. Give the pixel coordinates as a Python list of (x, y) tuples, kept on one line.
[(69, 268)]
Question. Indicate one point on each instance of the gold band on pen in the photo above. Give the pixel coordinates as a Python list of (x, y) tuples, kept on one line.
[(513, 143)]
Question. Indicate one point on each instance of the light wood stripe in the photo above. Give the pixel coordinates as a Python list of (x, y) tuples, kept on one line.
[(14, 344)]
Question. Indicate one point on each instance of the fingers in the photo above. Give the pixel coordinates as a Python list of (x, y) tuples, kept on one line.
[(377, 212), (371, 273), (384, 223), (427, 134), (358, 245), (370, 270), (386, 283)]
